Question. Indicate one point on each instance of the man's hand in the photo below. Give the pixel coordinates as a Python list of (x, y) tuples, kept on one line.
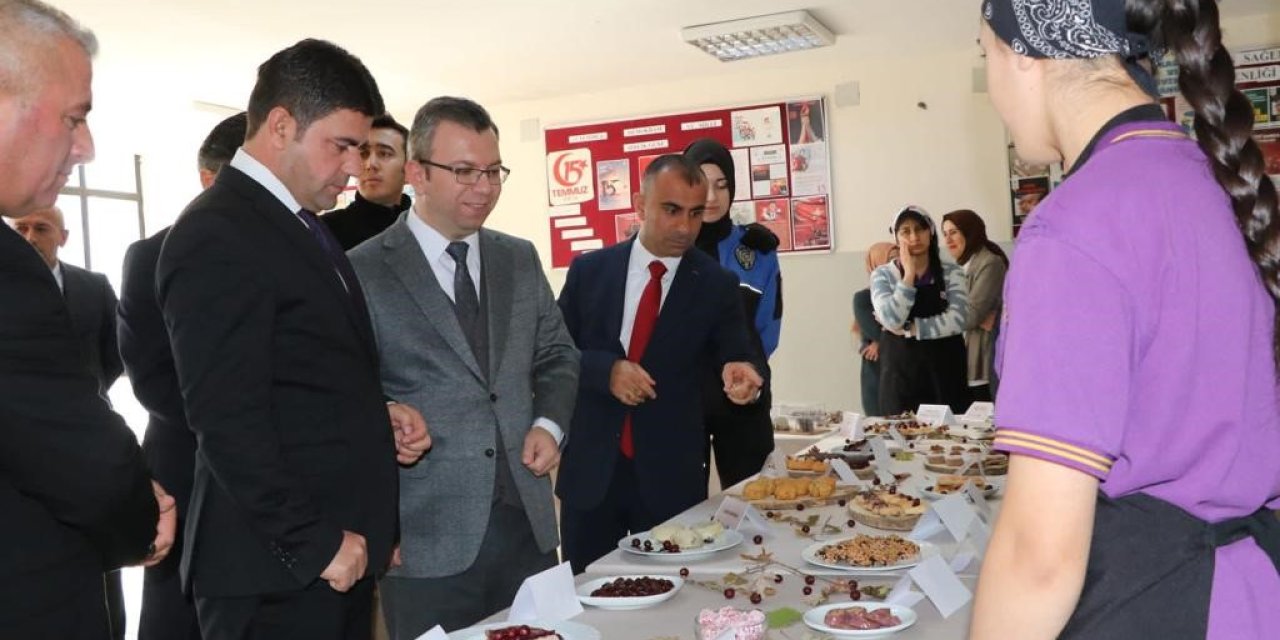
[(988, 323), (541, 453), (871, 352), (166, 526), (412, 439), (741, 382), (630, 383), (349, 564), (395, 557)]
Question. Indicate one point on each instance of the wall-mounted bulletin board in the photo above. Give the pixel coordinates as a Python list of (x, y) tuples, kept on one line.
[(781, 158)]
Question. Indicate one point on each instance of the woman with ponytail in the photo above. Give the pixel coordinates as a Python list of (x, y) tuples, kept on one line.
[(1137, 345)]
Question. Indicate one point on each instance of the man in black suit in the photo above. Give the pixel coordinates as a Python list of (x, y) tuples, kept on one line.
[(170, 447), (636, 455), (75, 495), (380, 196), (89, 296), (294, 501)]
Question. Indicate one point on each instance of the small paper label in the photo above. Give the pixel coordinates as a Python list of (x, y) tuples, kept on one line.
[(843, 471), (434, 633), (956, 514), (897, 437), (776, 465), (935, 415), (851, 426), (941, 585), (902, 595), (548, 595), (730, 512), (979, 500), (980, 411)]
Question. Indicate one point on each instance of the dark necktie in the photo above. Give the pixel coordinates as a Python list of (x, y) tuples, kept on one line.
[(641, 330), (466, 304), (333, 250)]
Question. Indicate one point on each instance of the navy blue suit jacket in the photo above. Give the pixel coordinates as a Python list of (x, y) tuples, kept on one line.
[(701, 324)]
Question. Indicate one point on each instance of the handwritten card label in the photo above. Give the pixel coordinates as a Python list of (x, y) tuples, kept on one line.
[(434, 633), (731, 512), (980, 411), (935, 415), (902, 595), (844, 472), (851, 426), (549, 595), (776, 465), (897, 437), (941, 585), (979, 500)]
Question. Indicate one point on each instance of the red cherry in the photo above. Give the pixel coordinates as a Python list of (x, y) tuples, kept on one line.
[(851, 523), (758, 539), (842, 502), (807, 590), (809, 580), (684, 572), (800, 507), (805, 528), (728, 593), (777, 578), (756, 598)]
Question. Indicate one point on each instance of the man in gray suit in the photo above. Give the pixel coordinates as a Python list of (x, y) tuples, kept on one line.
[(468, 331)]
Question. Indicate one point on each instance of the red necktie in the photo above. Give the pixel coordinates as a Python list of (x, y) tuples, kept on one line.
[(641, 330)]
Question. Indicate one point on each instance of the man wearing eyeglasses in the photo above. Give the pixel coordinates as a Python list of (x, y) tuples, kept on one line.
[(468, 331)]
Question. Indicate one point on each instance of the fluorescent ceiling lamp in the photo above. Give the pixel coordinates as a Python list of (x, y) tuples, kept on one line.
[(759, 36)]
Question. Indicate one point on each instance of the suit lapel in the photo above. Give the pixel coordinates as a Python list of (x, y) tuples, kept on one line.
[(403, 256), (295, 232), (497, 267), (617, 292)]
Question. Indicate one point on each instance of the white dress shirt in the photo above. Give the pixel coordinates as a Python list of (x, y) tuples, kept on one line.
[(435, 249), (57, 276), (260, 174), (637, 278)]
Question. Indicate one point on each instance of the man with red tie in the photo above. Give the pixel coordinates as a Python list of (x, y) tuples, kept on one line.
[(636, 455)]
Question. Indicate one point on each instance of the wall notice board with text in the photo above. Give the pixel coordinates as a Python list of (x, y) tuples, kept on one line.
[(782, 167)]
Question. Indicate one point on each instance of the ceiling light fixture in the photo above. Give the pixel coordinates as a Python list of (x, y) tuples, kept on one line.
[(759, 36)]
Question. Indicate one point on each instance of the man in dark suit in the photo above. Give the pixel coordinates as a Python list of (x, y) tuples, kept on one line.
[(170, 447), (468, 329), (293, 505), (89, 296), (380, 196), (75, 495), (636, 455)]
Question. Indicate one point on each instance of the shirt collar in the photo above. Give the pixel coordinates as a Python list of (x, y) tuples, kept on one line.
[(433, 243), (250, 166), (641, 257)]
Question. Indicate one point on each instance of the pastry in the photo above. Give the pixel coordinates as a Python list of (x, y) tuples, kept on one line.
[(870, 551), (886, 509)]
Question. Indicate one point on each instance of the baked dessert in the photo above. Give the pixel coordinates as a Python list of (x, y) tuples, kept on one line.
[(886, 509), (870, 551), (991, 463), (807, 464), (950, 483), (744, 625), (519, 632), (822, 486)]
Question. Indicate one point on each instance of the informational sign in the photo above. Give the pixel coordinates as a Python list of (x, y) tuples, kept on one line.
[(782, 171)]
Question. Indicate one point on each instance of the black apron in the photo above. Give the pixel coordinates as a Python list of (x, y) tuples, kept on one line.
[(915, 372), (1150, 568)]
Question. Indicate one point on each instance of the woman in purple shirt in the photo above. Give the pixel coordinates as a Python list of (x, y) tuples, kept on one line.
[(1138, 342)]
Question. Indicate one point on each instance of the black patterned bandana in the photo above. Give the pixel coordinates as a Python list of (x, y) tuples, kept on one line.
[(1070, 29)]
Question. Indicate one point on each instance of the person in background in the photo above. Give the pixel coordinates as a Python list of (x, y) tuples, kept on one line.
[(1138, 346), (380, 196), (740, 435), (168, 443), (868, 330), (922, 304), (75, 495), (984, 263)]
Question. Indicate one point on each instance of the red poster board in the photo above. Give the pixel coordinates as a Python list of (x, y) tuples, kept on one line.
[(781, 157)]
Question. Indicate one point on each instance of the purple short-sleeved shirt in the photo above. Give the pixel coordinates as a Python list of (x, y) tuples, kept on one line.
[(1136, 347)]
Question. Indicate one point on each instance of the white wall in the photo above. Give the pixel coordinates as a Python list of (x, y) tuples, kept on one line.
[(885, 152)]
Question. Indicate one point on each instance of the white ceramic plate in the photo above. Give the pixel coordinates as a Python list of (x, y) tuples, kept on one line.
[(727, 540), (619, 603), (810, 555), (816, 615), (568, 629)]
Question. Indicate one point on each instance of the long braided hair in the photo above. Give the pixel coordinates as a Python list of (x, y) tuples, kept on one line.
[(1189, 29)]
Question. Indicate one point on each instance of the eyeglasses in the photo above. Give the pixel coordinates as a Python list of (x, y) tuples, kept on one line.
[(471, 175)]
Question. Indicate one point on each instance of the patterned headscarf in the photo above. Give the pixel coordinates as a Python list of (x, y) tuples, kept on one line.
[(1070, 29)]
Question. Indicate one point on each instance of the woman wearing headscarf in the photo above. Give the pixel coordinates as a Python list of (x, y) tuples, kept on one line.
[(867, 328), (921, 302), (984, 264), (1138, 347), (741, 435)]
